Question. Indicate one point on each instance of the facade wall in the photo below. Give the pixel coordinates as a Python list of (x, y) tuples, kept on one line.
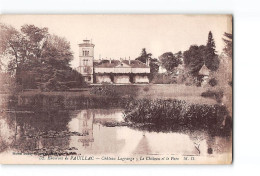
[(122, 70), (103, 79), (103, 70), (86, 70), (140, 70), (86, 57), (122, 79), (89, 49), (141, 79)]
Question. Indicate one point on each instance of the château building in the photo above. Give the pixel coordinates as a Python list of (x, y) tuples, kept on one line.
[(121, 71)]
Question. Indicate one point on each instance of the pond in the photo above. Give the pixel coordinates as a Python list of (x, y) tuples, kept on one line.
[(84, 132)]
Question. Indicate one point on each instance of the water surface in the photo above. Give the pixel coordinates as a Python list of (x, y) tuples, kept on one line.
[(83, 132)]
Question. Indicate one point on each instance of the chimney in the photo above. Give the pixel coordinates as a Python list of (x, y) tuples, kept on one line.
[(147, 61), (110, 60), (129, 61)]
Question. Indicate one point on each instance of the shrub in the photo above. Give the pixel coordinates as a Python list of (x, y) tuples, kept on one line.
[(53, 85), (217, 95), (213, 82), (164, 78), (146, 89), (104, 90)]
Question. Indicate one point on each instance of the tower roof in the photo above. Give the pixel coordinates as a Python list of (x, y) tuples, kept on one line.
[(86, 43)]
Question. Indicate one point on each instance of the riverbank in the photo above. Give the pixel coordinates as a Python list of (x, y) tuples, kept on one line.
[(190, 94)]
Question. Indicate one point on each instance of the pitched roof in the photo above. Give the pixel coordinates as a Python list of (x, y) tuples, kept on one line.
[(204, 71), (136, 64), (106, 63), (115, 63)]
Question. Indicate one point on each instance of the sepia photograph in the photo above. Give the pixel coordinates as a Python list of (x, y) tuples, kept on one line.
[(116, 89)]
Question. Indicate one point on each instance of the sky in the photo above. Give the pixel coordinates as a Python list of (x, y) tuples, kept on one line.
[(123, 36)]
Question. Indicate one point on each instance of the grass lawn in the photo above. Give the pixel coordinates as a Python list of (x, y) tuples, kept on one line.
[(191, 94)]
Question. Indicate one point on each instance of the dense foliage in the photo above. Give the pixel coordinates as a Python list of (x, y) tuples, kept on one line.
[(37, 59), (196, 56), (153, 62), (176, 113), (170, 61), (228, 44)]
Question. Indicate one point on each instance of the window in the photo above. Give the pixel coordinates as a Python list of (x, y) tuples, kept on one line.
[(85, 52), (85, 61), (87, 78)]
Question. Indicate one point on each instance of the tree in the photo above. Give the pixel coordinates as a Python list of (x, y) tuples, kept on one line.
[(144, 57), (36, 57), (211, 58), (153, 62), (197, 56), (228, 44), (194, 59), (10, 47), (22, 49), (154, 67), (170, 61)]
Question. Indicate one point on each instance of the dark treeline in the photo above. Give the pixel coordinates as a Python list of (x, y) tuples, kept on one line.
[(191, 60), (38, 59)]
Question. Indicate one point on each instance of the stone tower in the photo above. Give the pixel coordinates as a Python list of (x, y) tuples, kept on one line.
[(86, 60)]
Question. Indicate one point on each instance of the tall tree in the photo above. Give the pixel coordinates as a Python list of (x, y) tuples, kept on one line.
[(228, 44), (211, 58), (170, 61)]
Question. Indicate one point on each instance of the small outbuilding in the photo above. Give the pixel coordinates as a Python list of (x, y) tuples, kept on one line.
[(204, 75)]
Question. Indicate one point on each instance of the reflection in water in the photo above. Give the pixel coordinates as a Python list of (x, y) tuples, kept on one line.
[(98, 139), (143, 147), (81, 132)]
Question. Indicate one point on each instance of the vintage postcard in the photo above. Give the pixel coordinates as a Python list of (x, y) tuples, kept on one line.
[(116, 89)]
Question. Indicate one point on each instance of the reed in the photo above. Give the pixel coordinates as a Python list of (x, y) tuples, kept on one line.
[(178, 114)]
